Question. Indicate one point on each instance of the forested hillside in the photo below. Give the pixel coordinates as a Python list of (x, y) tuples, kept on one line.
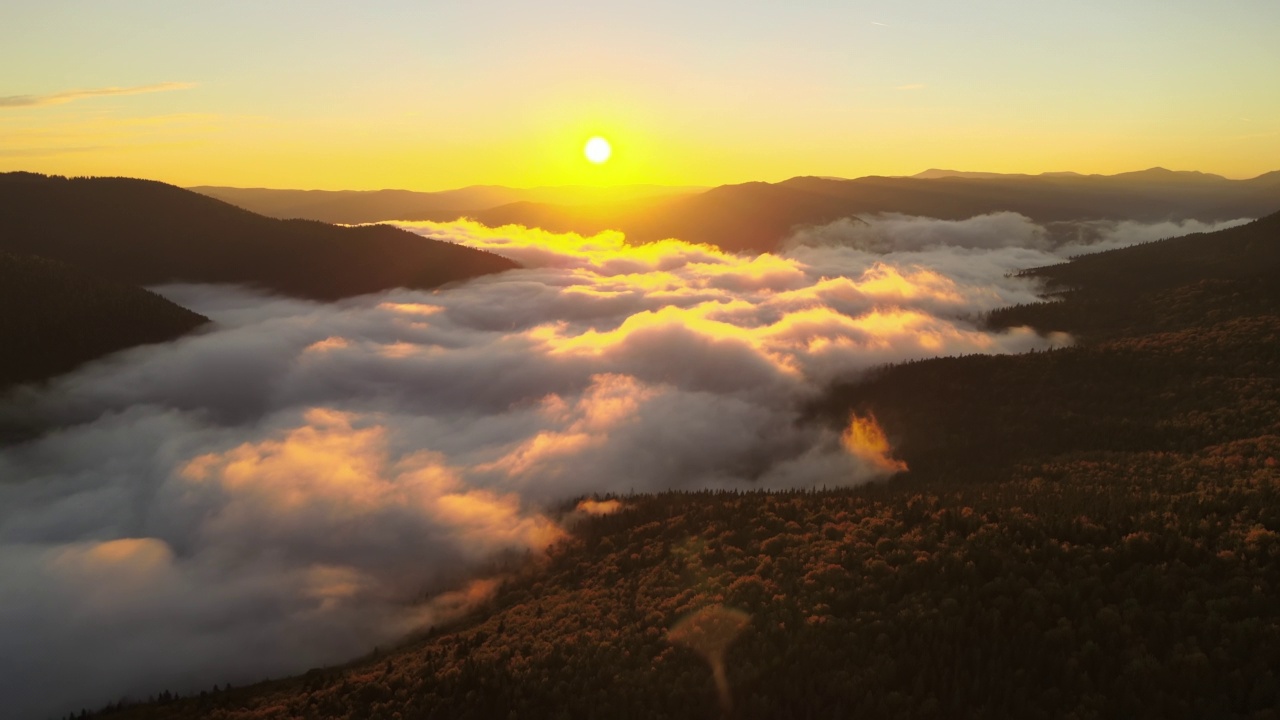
[(54, 317), (1180, 282), (143, 232), (1179, 348), (1084, 533)]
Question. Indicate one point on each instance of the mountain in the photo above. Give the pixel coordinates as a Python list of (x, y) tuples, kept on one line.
[(752, 217), (1178, 345), (352, 207), (1157, 286), (933, 173), (54, 317), (1156, 174), (1270, 179), (1092, 531), (1148, 196), (142, 232), (758, 217), (1159, 175)]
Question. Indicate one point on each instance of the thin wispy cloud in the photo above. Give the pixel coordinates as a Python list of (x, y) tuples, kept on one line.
[(1255, 136), (873, 22), (17, 101), (44, 152), (94, 132)]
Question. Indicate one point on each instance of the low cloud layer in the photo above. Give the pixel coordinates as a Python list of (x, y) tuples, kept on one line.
[(893, 232), (300, 483)]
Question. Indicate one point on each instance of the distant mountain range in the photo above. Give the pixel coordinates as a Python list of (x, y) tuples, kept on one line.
[(934, 173), (757, 216), (361, 206), (1151, 174)]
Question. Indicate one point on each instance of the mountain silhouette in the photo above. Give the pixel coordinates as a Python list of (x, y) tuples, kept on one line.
[(143, 233), (54, 317), (757, 217), (360, 206), (933, 173), (752, 217)]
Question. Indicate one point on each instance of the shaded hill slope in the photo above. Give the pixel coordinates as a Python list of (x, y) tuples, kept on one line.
[(54, 317), (143, 232), (1163, 285), (1245, 251), (1179, 348), (1088, 532)]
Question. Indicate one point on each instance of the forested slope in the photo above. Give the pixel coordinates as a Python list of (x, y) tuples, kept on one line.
[(1137, 585), (1179, 348), (54, 317), (1084, 533), (1193, 280)]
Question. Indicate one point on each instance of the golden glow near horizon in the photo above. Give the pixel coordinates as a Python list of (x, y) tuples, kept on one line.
[(598, 150), (427, 96)]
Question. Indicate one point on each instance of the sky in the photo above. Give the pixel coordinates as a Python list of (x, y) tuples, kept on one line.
[(431, 95)]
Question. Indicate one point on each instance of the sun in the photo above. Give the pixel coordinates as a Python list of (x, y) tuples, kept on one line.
[(597, 150)]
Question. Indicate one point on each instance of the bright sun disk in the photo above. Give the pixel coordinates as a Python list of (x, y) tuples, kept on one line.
[(597, 150)]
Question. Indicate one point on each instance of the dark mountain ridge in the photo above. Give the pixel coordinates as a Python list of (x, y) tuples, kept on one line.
[(54, 317), (1249, 250), (1118, 292), (144, 232), (1178, 326)]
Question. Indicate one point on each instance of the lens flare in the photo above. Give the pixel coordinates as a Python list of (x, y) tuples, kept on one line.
[(709, 632)]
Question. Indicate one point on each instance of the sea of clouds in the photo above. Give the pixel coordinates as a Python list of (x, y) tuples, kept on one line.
[(301, 481)]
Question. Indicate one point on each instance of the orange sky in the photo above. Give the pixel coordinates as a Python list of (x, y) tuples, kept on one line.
[(437, 95)]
